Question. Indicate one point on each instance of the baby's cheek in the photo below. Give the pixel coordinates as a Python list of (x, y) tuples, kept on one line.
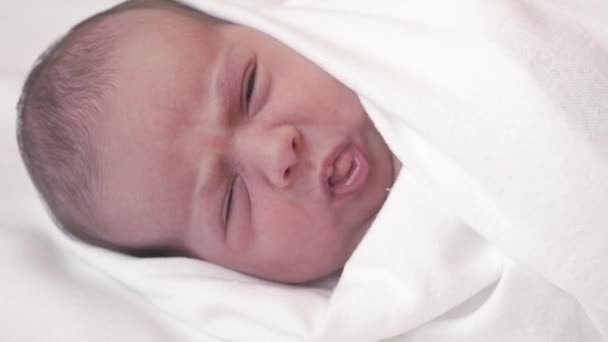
[(290, 239), (292, 225)]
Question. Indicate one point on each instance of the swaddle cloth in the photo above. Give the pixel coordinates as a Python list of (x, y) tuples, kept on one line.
[(497, 226)]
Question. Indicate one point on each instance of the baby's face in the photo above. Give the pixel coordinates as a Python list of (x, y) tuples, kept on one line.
[(225, 145)]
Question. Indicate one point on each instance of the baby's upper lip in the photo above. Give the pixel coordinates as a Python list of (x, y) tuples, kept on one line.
[(327, 164)]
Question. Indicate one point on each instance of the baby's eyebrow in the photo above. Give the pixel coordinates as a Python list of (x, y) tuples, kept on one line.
[(208, 193), (208, 177), (208, 168), (221, 83)]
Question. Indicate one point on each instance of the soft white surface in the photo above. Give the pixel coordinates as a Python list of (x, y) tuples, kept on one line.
[(497, 228)]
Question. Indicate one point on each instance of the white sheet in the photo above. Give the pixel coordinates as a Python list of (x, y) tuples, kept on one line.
[(497, 227)]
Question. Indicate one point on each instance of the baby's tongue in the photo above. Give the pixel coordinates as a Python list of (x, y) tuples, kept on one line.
[(342, 168)]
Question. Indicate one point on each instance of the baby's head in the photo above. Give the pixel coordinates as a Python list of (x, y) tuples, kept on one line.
[(154, 129)]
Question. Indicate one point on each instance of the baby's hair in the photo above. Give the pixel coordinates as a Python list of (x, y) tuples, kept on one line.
[(61, 100)]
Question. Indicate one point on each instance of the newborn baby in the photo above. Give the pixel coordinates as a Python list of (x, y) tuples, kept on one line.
[(154, 129)]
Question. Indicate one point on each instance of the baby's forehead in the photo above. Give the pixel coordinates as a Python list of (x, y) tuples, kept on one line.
[(165, 12), (162, 67), (174, 26)]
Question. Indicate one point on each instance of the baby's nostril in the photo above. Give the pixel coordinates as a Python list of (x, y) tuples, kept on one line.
[(287, 173), (295, 143)]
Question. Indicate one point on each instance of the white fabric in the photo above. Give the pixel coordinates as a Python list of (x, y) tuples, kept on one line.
[(496, 230)]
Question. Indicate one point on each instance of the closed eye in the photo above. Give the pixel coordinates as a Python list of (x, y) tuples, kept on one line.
[(228, 200), (250, 87)]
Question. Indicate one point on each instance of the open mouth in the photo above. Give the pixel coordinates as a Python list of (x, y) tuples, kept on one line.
[(348, 171)]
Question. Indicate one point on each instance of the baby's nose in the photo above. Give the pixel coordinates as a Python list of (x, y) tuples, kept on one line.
[(276, 153)]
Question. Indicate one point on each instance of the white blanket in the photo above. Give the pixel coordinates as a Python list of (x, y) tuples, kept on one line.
[(497, 227)]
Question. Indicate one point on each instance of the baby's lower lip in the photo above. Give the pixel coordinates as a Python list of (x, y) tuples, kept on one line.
[(356, 177)]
